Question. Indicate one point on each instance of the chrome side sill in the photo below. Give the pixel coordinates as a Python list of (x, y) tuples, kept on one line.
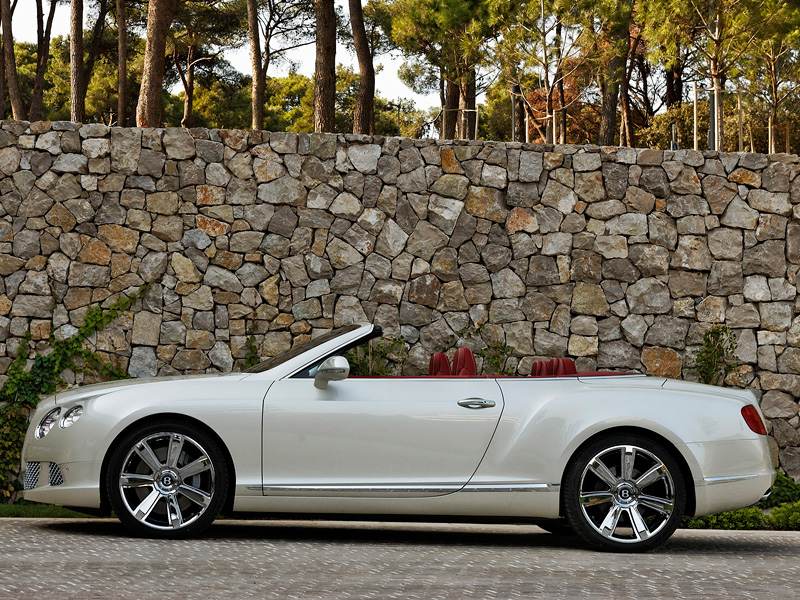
[(406, 491)]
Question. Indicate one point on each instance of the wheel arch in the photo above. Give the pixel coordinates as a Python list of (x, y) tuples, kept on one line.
[(691, 499), (105, 504)]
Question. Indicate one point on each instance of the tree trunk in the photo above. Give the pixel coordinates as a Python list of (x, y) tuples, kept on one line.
[(259, 76), (518, 106), (773, 105), (610, 80), (718, 114), (12, 79), (561, 118), (94, 45), (467, 105), (188, 86), (550, 133), (43, 32), (77, 100), (122, 65), (364, 109), (159, 18), (674, 89), (2, 82), (626, 132), (325, 67), (450, 116), (562, 113), (609, 95)]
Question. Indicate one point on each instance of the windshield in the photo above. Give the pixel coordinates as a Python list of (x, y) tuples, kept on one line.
[(273, 362)]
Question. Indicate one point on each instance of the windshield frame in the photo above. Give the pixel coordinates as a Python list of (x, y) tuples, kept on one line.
[(280, 359)]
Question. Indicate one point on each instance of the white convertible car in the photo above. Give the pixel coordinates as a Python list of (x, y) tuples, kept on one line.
[(620, 458)]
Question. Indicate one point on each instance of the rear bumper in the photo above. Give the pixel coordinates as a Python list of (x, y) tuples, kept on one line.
[(716, 495)]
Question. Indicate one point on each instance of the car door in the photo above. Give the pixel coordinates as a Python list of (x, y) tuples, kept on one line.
[(376, 437)]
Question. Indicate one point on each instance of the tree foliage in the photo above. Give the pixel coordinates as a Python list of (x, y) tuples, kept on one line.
[(580, 70)]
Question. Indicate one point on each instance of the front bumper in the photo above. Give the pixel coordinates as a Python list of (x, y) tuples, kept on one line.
[(67, 484)]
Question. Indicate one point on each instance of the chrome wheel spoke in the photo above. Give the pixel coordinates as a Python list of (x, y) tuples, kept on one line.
[(664, 506), (652, 475), (601, 470), (197, 496), (198, 466), (147, 505), (174, 450), (626, 468), (609, 524), (595, 498), (627, 494), (145, 452), (135, 480), (637, 522), (167, 481), (174, 513)]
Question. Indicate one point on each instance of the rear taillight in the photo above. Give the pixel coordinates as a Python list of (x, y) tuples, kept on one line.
[(753, 419)]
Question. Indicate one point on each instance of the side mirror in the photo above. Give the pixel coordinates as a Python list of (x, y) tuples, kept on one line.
[(335, 368)]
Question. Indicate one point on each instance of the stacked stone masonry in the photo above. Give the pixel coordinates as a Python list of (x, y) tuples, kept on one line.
[(618, 257)]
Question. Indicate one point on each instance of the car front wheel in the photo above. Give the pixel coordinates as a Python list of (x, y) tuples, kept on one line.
[(624, 493), (167, 480)]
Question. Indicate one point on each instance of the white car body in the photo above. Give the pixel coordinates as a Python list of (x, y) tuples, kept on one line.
[(405, 446)]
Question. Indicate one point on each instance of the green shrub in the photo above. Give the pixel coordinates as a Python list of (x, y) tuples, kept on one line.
[(30, 379), (785, 517), (783, 490), (744, 518), (715, 359), (377, 358)]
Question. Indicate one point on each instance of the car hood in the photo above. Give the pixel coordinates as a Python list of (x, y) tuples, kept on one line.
[(99, 389)]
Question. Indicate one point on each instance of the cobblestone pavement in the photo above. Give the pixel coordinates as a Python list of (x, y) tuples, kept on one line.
[(87, 559)]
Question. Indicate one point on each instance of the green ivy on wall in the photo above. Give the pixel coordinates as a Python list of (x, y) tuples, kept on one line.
[(30, 379)]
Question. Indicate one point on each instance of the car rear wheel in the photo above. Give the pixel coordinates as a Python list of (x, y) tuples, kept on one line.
[(167, 480), (624, 493)]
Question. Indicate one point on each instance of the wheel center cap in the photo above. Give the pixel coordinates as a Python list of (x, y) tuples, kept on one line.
[(626, 494), (167, 481)]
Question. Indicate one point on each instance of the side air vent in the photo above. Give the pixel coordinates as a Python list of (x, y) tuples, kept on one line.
[(32, 475)]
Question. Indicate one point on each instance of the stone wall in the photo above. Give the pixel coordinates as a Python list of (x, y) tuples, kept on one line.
[(620, 258)]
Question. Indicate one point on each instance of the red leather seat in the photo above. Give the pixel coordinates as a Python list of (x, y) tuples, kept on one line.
[(439, 366), (464, 364), (541, 368), (564, 367), (555, 367)]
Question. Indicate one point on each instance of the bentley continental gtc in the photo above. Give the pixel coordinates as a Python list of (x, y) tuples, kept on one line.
[(617, 458)]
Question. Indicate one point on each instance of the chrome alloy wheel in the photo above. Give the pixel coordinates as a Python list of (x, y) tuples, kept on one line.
[(626, 494), (167, 481)]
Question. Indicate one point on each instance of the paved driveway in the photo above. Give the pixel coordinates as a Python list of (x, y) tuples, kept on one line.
[(86, 559)]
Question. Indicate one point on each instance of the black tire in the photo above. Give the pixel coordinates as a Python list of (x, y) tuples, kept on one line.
[(167, 480), (631, 511)]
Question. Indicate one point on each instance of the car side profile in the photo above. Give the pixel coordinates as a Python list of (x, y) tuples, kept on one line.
[(619, 458)]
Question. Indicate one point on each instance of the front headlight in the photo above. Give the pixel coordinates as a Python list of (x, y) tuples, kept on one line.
[(46, 424), (73, 414)]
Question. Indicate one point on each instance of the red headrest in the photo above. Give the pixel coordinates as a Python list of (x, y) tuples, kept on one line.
[(564, 367), (439, 365), (464, 363), (541, 368)]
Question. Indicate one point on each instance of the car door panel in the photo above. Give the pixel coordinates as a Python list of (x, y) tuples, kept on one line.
[(376, 437)]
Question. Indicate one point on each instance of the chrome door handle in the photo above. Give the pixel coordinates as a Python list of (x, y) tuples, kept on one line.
[(475, 403)]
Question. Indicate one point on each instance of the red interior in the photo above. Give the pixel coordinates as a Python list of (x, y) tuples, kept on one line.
[(439, 365), (464, 365)]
